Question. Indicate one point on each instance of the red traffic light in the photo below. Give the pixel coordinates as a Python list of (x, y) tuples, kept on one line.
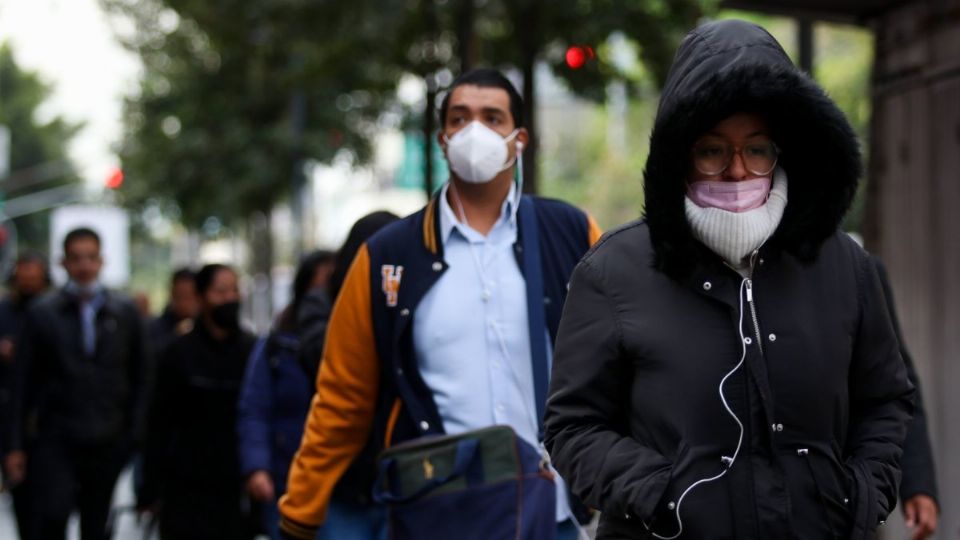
[(115, 178), (577, 56)]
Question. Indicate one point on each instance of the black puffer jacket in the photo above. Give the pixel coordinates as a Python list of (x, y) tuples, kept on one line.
[(654, 321)]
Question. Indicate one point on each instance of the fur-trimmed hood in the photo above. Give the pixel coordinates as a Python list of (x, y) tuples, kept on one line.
[(733, 66)]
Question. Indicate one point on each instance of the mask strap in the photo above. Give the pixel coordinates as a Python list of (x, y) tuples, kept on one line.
[(516, 156)]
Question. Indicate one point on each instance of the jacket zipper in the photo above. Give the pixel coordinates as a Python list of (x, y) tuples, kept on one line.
[(753, 307)]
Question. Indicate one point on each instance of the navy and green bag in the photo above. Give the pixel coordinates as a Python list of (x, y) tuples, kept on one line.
[(487, 484)]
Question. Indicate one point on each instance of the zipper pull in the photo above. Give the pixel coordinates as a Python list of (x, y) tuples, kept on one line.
[(749, 290)]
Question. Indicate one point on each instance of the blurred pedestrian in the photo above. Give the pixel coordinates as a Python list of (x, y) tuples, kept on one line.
[(918, 485), (190, 466), (29, 279), (178, 315), (727, 367), (79, 364), (276, 393), (444, 320)]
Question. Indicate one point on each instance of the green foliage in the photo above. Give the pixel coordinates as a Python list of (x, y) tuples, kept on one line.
[(583, 166), (34, 142), (580, 164), (214, 130), (235, 95)]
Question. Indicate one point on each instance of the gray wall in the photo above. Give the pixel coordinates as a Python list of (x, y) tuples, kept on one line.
[(913, 212)]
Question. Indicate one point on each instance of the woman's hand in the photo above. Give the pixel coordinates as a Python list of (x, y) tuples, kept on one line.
[(260, 486)]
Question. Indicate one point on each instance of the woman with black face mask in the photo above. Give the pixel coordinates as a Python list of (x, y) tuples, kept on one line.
[(191, 472)]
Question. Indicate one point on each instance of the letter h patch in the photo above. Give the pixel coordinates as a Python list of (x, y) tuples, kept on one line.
[(391, 282)]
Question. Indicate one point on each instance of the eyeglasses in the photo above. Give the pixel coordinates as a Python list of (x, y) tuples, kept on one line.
[(713, 156)]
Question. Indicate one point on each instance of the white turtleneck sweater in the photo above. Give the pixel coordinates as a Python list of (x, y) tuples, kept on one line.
[(734, 236)]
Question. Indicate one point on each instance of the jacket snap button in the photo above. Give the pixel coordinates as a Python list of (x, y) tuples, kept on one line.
[(437, 266), (626, 516), (707, 285), (424, 425), (747, 340), (773, 337), (671, 505), (846, 500), (404, 312), (779, 427)]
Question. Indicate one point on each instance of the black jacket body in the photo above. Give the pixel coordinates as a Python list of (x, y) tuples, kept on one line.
[(655, 321), (61, 394), (191, 466)]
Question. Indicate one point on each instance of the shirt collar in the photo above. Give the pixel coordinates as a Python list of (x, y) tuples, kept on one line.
[(449, 221)]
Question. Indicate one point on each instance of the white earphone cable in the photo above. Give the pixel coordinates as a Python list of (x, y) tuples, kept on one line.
[(726, 460)]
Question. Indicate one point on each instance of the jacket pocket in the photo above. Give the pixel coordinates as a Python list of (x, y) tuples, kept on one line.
[(696, 502), (821, 495)]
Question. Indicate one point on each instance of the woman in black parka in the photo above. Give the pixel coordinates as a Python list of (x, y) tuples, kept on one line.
[(726, 367), (191, 469)]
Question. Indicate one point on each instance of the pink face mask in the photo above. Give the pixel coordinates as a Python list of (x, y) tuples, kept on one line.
[(730, 196)]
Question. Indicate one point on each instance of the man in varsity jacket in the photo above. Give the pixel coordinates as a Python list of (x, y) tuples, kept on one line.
[(444, 323)]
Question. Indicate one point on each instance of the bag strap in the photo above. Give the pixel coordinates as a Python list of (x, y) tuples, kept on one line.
[(536, 318), (465, 463)]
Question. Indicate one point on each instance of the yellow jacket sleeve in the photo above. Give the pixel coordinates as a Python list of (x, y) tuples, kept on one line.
[(341, 414), (595, 232)]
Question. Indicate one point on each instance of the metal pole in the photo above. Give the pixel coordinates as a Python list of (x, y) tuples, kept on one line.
[(805, 44)]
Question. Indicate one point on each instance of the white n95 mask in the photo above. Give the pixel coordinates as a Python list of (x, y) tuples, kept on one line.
[(477, 153)]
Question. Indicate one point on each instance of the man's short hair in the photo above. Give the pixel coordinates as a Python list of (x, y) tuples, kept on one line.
[(30, 257), (486, 78), (183, 274), (79, 234)]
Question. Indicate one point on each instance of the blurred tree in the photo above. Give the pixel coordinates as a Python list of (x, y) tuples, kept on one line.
[(38, 147), (521, 33), (236, 95)]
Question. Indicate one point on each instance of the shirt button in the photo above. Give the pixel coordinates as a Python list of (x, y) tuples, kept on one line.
[(424, 425), (707, 285), (772, 337), (437, 266), (404, 312)]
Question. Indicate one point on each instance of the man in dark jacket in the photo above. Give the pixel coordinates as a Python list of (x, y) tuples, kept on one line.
[(77, 408), (727, 368), (30, 278)]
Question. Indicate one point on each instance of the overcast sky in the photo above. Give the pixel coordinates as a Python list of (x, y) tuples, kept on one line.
[(71, 44)]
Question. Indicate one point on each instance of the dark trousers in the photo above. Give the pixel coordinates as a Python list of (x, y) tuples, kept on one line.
[(26, 520), (66, 477)]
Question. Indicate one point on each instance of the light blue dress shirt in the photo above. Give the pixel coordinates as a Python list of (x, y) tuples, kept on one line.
[(470, 332)]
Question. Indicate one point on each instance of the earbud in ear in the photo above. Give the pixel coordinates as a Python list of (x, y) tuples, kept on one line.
[(519, 146)]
